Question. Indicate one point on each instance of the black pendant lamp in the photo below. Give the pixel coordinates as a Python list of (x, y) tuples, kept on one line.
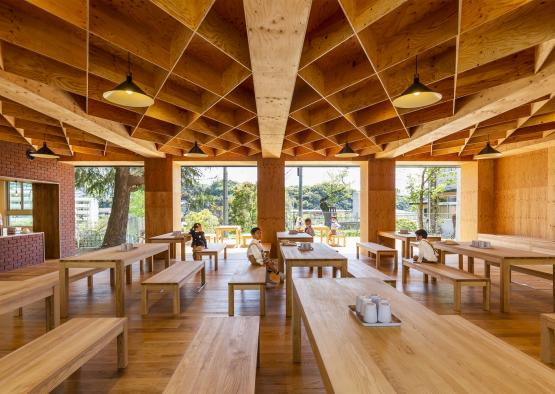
[(488, 153), (417, 95), (195, 151), (346, 152), (127, 93), (45, 153)]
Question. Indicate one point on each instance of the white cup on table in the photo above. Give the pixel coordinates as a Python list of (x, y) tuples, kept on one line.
[(370, 314), (384, 312)]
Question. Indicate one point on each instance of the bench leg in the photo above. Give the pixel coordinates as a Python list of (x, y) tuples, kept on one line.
[(144, 300), (378, 260), (457, 296), (141, 266), (405, 274), (334, 273), (470, 264), (151, 264), (176, 301), (52, 305), (296, 330), (202, 277), (425, 278), (18, 312), (225, 253), (461, 266), (216, 262), (90, 281), (263, 300), (546, 352), (320, 272), (231, 300), (128, 275), (487, 296), (112, 277), (358, 252), (487, 269), (122, 347), (258, 353)]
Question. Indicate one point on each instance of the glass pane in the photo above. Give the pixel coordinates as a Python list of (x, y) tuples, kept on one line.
[(14, 195), (20, 220), (27, 196)]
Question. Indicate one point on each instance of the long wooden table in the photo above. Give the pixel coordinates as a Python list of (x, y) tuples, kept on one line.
[(428, 353), (321, 256), (405, 239), (285, 236), (500, 256), (173, 239), (114, 259)]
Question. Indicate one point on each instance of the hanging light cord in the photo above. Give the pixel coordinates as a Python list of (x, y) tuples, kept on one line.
[(128, 64), (416, 67)]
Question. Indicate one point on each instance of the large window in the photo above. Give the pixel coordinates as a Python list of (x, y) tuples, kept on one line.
[(321, 192), (215, 196), (20, 204), (427, 197)]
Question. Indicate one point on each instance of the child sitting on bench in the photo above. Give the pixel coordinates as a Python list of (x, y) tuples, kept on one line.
[(256, 255), (426, 252)]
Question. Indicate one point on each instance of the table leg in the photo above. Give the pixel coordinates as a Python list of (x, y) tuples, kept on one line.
[(216, 262), (441, 257), (168, 256), (122, 347), (487, 269), (344, 270), (505, 287), (64, 290), (151, 263), (128, 274), (296, 327), (553, 288), (470, 261), (405, 245), (358, 252), (53, 309), (461, 266), (546, 343), (237, 238), (112, 278), (280, 258), (183, 250), (120, 294), (288, 284), (141, 266), (263, 300), (230, 300), (320, 271)]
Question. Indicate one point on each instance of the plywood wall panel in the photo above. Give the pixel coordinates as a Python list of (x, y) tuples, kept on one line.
[(381, 198), (271, 199)]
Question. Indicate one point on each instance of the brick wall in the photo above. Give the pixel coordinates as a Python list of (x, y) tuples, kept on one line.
[(21, 250), (14, 164)]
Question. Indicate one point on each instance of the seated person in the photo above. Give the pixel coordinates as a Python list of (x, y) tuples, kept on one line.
[(256, 255), (308, 227), (334, 225), (426, 252), (198, 241)]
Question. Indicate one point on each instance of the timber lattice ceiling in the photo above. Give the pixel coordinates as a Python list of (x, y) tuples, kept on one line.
[(493, 62)]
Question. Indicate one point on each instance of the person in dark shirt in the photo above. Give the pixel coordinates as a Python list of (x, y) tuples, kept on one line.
[(197, 236)]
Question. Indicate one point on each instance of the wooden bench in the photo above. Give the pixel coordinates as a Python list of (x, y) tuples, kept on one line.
[(333, 239), (44, 363), (358, 269), (377, 250), (251, 277), (451, 275), (222, 358), (547, 322), (414, 244), (172, 280), (213, 250)]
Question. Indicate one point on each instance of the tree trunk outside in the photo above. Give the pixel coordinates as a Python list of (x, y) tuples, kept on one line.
[(116, 230), (421, 200)]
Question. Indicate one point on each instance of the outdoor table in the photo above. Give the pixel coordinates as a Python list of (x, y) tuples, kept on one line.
[(405, 240), (221, 230), (320, 256), (323, 231), (285, 236), (173, 239), (500, 256), (427, 353), (112, 258)]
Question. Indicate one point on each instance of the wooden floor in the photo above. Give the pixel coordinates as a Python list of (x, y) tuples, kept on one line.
[(157, 341)]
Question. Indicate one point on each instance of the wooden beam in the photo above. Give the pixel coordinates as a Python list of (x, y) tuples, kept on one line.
[(477, 108), (543, 51), (62, 106), (276, 31)]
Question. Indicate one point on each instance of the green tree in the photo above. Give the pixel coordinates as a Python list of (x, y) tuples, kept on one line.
[(117, 184), (137, 203), (242, 207), (204, 217)]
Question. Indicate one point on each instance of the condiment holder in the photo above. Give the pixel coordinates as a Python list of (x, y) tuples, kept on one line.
[(481, 244), (126, 247), (176, 233), (374, 311), (305, 246), (293, 232)]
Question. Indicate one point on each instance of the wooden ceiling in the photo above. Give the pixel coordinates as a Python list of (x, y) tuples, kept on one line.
[(334, 66)]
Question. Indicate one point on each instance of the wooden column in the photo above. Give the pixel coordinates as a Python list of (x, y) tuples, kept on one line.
[(477, 199), (162, 196), (377, 198), (46, 216), (271, 199), (551, 193)]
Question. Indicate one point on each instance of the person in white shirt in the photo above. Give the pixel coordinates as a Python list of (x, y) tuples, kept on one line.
[(256, 255), (308, 227), (426, 252), (334, 225)]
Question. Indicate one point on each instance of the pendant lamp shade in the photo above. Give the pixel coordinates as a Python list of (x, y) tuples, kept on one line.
[(45, 153), (346, 152), (488, 153), (417, 95), (196, 152), (128, 93)]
